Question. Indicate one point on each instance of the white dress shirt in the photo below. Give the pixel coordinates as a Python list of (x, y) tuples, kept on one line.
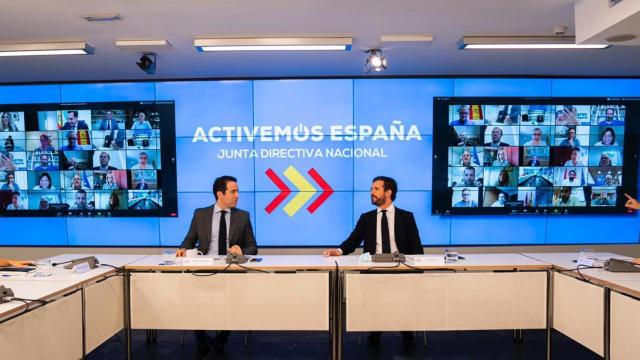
[(391, 210), (215, 228)]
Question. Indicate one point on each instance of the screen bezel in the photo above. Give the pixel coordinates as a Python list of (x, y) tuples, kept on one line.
[(167, 157), (442, 193)]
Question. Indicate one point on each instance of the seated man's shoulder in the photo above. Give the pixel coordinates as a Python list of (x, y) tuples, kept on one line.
[(404, 212), (203, 210), (237, 211)]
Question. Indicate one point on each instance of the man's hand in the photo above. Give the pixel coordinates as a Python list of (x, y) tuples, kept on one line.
[(631, 204), (332, 252), (235, 249), (181, 252), (20, 263)]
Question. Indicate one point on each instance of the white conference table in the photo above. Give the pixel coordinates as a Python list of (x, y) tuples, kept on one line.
[(278, 293), (82, 310), (482, 292), (311, 292), (602, 313)]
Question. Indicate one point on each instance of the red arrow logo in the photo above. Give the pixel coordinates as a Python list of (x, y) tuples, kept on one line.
[(326, 191), (284, 191)]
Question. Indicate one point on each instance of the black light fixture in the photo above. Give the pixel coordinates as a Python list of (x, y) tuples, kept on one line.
[(147, 63), (376, 61)]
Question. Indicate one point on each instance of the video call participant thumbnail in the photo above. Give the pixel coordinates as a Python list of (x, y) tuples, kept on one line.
[(45, 162), (80, 200), (73, 123), (16, 202), (567, 196), (611, 118), (143, 162), (45, 144), (104, 160), (468, 198), (7, 123), (10, 182), (141, 127), (45, 182), (496, 137)]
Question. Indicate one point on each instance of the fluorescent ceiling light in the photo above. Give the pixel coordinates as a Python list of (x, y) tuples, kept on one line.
[(273, 44), (406, 38), (143, 45), (523, 42), (39, 49)]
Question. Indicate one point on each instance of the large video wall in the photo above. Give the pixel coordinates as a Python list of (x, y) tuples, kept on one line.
[(304, 153)]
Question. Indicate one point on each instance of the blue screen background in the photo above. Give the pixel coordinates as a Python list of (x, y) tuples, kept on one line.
[(323, 102)]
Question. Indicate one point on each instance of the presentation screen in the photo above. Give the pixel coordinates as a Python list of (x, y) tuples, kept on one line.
[(533, 155), (88, 159)]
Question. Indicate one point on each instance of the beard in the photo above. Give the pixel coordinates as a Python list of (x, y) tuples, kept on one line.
[(378, 200)]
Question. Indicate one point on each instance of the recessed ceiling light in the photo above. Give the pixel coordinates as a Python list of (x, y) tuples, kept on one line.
[(273, 44), (102, 17), (39, 49), (621, 38), (406, 38), (524, 42)]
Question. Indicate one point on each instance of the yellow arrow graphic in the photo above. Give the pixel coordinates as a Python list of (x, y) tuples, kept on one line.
[(306, 191)]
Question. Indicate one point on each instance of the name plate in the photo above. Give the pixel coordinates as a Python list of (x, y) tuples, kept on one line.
[(81, 268), (425, 260), (197, 261)]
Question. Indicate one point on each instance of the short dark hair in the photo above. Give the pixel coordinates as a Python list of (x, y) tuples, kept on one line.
[(81, 191), (613, 134), (220, 184), (15, 193), (44, 174), (74, 112), (388, 184)]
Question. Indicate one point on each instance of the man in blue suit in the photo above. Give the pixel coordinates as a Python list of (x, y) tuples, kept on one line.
[(115, 133)]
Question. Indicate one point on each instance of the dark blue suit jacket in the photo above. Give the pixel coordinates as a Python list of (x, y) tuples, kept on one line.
[(405, 231)]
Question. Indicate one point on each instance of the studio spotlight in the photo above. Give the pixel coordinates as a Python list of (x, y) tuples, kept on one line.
[(147, 63), (376, 61)]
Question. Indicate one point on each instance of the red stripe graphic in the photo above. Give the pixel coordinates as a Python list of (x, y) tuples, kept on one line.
[(326, 190), (284, 191)]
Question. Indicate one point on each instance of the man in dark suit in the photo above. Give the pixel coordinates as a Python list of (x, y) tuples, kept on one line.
[(105, 158), (73, 123), (115, 133), (387, 229), (534, 161), (108, 123), (496, 136), (208, 231), (142, 185)]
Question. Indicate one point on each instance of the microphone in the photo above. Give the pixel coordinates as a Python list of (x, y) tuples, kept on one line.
[(6, 294), (91, 260), (236, 259)]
